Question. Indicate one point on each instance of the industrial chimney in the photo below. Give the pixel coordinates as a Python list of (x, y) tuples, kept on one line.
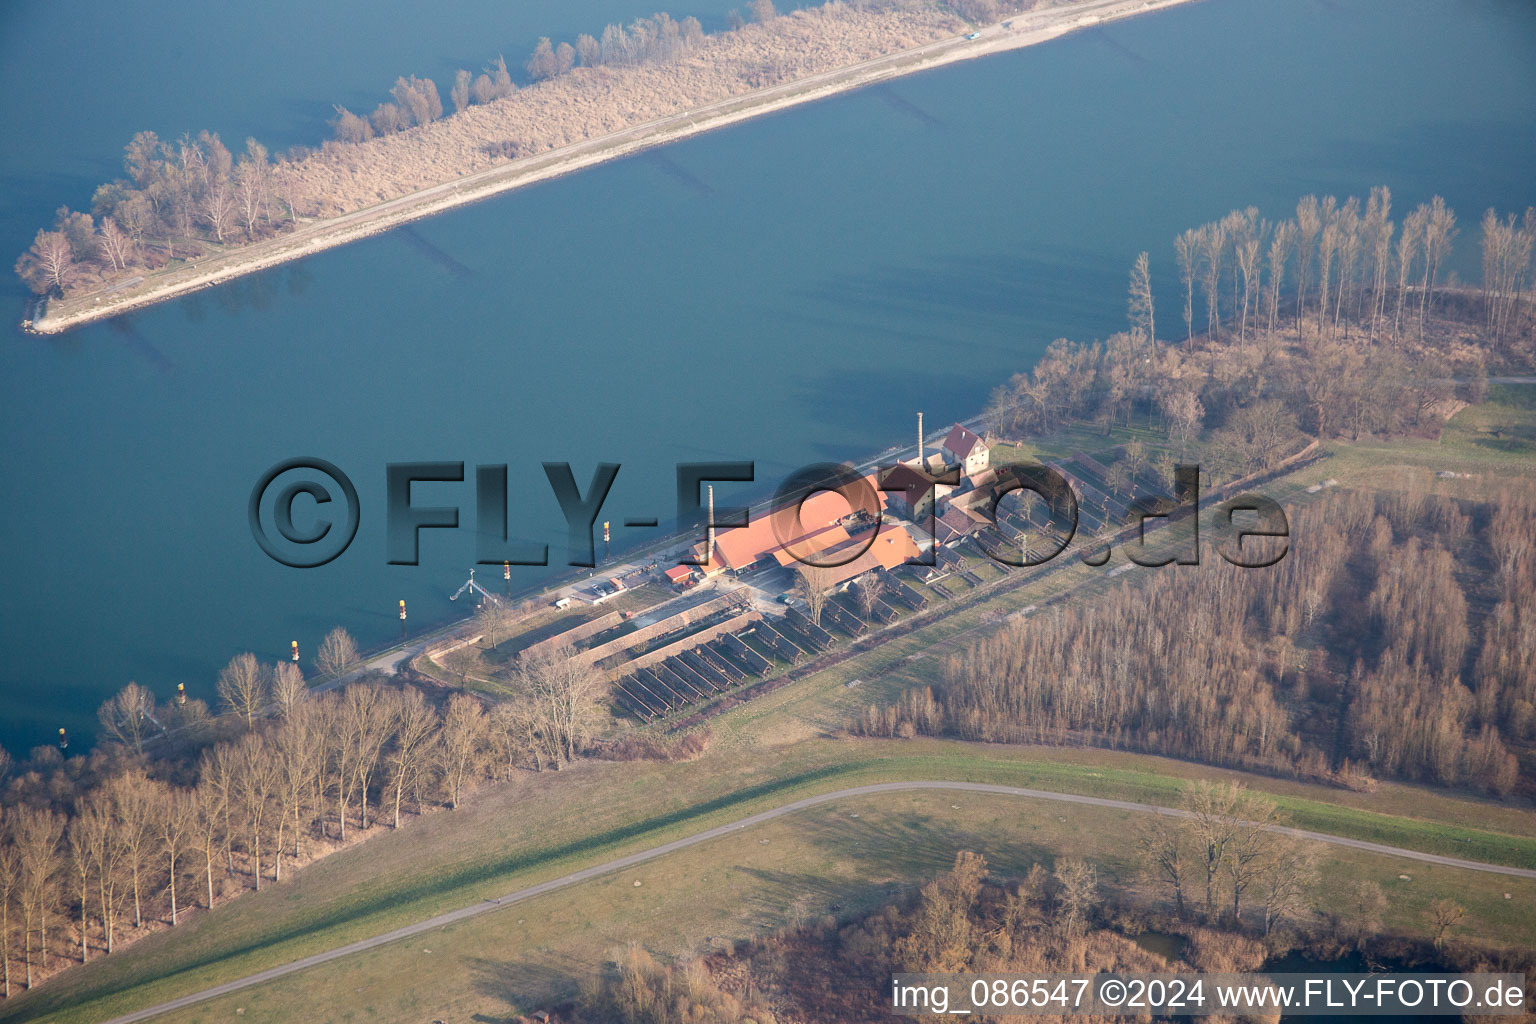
[(709, 528)]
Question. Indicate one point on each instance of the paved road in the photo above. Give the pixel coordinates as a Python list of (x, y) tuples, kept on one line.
[(587, 874)]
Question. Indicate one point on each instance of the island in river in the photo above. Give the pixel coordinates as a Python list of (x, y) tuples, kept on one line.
[(262, 215)]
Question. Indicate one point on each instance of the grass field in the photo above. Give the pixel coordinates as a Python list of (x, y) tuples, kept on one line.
[(838, 859), (766, 753), (516, 835)]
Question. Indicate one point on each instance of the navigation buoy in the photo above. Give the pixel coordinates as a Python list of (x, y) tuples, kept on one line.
[(295, 651)]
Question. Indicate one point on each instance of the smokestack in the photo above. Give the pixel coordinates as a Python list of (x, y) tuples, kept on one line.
[(919, 440), (709, 534)]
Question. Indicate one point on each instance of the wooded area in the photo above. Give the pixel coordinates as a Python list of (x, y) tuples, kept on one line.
[(1391, 640), (185, 198), (178, 810), (1335, 323)]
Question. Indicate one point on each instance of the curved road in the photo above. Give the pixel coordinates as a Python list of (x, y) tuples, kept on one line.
[(587, 874)]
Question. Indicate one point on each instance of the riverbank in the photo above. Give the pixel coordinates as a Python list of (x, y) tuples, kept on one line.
[(326, 232)]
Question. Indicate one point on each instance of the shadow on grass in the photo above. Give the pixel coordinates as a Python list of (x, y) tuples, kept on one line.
[(1507, 445), (521, 985)]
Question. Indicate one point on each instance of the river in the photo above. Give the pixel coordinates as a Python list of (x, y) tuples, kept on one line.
[(787, 290)]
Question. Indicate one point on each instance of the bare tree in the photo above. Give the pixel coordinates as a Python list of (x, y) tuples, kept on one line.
[(565, 58), (255, 785), (36, 833), (522, 725), (175, 815), (208, 803), (460, 744), (1507, 248), (10, 890), (387, 118), (564, 691), (243, 686), (1349, 243), (541, 64), (1166, 845), (513, 733), (813, 583), (337, 773), (79, 230), (337, 654), (498, 82), (291, 189), (501, 79), (1439, 230), (136, 215), (128, 716), (460, 91), (288, 688), (217, 770), (351, 128), (366, 717), (1212, 807), (1261, 432), (494, 619), (1077, 892), (1141, 306), (1213, 245), (1284, 879), (49, 265), (1186, 248), (1280, 244), (418, 99), (1246, 251), (132, 796), (1185, 413), (1309, 224), (1410, 242), (871, 586), (413, 724), (1378, 240), (252, 184), (102, 839), (1251, 848), (218, 207), (298, 749), (81, 861), (1445, 914), (115, 243)]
